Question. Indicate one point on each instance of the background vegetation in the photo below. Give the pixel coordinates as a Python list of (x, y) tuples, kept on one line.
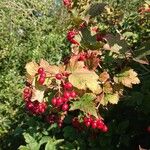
[(35, 29)]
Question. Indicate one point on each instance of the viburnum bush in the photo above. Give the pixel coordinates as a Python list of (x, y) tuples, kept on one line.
[(94, 76)]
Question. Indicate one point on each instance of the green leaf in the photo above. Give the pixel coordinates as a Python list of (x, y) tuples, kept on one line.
[(85, 104), (52, 144), (116, 44), (70, 132), (89, 41), (28, 138), (23, 148), (96, 9), (44, 139), (142, 52), (111, 98)]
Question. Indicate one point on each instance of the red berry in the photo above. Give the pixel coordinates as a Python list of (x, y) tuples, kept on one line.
[(100, 122), (65, 107), (42, 107), (82, 57), (40, 70), (54, 101), (94, 124), (87, 124), (68, 86), (65, 99), (29, 105), (26, 90), (58, 76), (73, 94), (59, 102), (41, 80), (43, 75), (51, 118), (67, 3), (66, 94), (105, 128)]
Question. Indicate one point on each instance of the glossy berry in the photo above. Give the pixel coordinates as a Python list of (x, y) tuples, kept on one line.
[(68, 86), (100, 122), (58, 76), (104, 129), (73, 94), (26, 90), (41, 80), (66, 94), (40, 70), (43, 75), (65, 99), (70, 37), (59, 102), (87, 124), (65, 107), (54, 101), (94, 124)]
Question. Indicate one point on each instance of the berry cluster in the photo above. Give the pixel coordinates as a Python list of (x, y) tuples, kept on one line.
[(42, 75), (27, 93), (36, 107), (54, 118), (70, 36), (62, 101), (95, 124), (89, 122)]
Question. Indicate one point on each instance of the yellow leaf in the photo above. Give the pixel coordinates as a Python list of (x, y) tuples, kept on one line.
[(104, 76), (31, 68), (127, 77)]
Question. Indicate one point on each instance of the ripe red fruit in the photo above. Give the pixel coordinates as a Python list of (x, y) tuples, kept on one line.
[(87, 124), (66, 94), (82, 57), (68, 86), (73, 94), (70, 37), (42, 107), (65, 99), (94, 124), (67, 3), (59, 101), (26, 90), (41, 80), (105, 128), (65, 107), (43, 75), (40, 70), (29, 105), (53, 101), (100, 122), (58, 76)]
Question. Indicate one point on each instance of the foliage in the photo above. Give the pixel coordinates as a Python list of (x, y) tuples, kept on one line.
[(28, 32)]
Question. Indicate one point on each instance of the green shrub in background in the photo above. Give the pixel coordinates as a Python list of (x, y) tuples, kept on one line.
[(29, 30)]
